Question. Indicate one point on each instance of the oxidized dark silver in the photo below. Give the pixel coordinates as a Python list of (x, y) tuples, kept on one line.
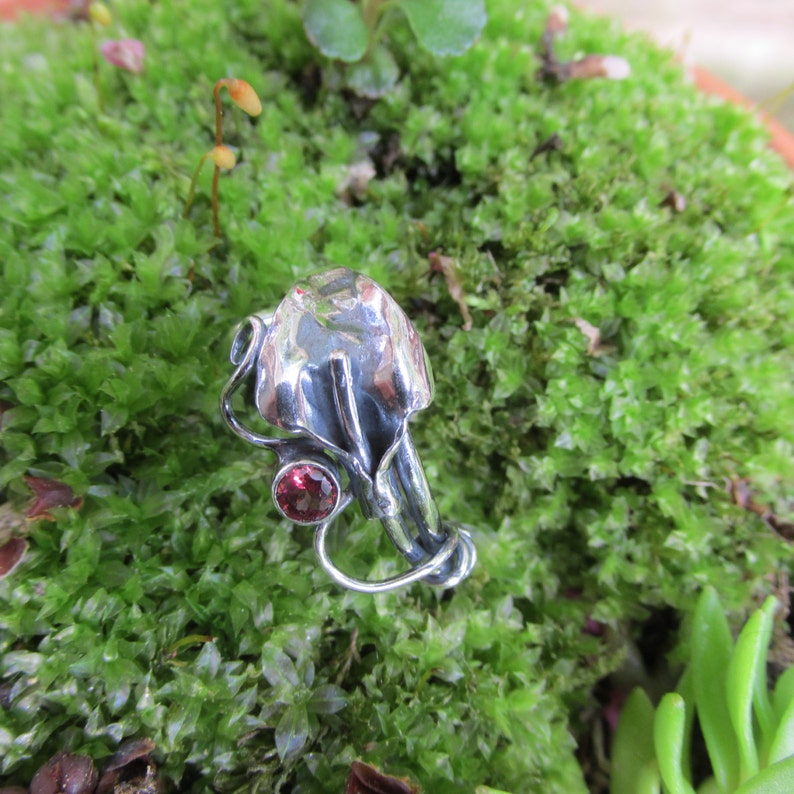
[(339, 367)]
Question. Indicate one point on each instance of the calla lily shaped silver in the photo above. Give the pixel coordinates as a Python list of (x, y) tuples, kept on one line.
[(340, 368)]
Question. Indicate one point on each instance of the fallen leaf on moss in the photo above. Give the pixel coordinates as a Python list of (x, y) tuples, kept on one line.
[(50, 494), (127, 54), (739, 490), (674, 200), (130, 770), (595, 347), (11, 554), (611, 67), (449, 268), (353, 188), (365, 779), (65, 772), (557, 21), (552, 144)]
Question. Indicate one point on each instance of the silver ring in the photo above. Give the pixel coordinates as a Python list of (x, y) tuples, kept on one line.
[(339, 368)]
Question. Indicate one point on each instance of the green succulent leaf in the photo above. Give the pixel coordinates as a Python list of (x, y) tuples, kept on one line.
[(336, 28), (783, 742), (784, 693), (686, 689), (633, 759), (746, 686), (648, 780), (669, 729), (711, 645), (375, 76), (445, 27), (775, 779)]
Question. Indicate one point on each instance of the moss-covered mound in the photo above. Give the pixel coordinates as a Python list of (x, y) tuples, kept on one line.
[(174, 603)]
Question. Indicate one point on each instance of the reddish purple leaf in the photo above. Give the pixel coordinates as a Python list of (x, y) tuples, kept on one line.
[(11, 554), (365, 779), (50, 494), (127, 54), (613, 708)]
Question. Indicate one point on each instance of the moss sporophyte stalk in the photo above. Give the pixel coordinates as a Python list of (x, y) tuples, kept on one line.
[(615, 423), (244, 96)]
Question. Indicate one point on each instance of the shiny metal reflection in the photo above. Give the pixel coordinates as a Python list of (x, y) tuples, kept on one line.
[(339, 367)]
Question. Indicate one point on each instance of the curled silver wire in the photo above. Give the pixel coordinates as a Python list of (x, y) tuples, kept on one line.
[(339, 367)]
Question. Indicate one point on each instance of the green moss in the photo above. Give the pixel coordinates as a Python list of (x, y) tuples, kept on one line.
[(576, 472)]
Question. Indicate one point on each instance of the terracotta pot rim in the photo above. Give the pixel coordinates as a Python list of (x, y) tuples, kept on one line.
[(782, 140)]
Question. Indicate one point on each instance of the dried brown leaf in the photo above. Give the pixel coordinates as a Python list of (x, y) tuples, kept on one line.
[(674, 200), (557, 21), (130, 770), (594, 346), (611, 67), (449, 268), (65, 773), (742, 495), (353, 188)]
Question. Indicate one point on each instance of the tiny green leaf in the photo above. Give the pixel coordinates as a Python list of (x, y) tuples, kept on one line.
[(328, 699), (633, 752), (775, 779), (445, 27), (669, 728), (711, 646), (375, 76), (648, 780), (710, 786), (686, 689), (336, 28), (784, 692), (746, 686), (292, 731)]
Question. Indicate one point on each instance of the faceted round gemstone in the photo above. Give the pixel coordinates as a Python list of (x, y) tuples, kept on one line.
[(306, 493)]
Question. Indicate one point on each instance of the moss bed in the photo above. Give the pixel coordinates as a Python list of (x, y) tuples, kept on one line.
[(174, 603)]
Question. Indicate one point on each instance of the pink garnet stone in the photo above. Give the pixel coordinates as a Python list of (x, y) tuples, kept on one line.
[(306, 493)]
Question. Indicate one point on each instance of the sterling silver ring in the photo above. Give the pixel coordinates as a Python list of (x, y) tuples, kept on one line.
[(339, 368)]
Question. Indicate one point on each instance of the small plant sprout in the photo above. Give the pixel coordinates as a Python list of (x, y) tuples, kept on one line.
[(748, 730), (244, 96), (223, 158), (353, 33)]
